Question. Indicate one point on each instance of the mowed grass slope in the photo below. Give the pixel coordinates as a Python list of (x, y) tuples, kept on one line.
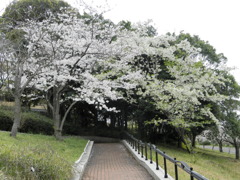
[(47, 157), (211, 164)]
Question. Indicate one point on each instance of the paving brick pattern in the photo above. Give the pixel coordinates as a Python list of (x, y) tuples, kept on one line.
[(112, 161)]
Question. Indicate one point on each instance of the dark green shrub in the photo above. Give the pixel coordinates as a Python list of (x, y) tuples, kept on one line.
[(32, 122), (36, 123), (5, 120), (72, 129)]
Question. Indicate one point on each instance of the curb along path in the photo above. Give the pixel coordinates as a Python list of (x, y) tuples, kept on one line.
[(113, 161)]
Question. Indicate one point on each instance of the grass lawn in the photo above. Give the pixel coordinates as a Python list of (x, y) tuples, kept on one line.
[(211, 164), (50, 159)]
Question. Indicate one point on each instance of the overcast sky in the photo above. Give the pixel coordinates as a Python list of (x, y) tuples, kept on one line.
[(216, 21)]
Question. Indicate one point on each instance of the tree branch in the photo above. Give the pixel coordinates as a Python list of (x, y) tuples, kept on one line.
[(66, 113)]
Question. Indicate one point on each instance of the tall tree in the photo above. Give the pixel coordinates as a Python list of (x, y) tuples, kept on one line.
[(216, 134), (211, 59), (229, 115), (89, 62), (24, 66), (180, 95)]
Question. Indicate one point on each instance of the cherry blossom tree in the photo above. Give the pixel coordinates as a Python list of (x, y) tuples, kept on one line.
[(215, 134), (4, 51), (20, 63), (22, 66), (88, 59), (190, 83)]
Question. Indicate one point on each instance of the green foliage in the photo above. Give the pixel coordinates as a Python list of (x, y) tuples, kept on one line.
[(232, 126), (151, 31), (49, 158), (20, 11), (16, 36), (231, 87), (23, 10), (208, 51), (198, 64), (126, 25), (36, 123), (6, 119), (228, 108)]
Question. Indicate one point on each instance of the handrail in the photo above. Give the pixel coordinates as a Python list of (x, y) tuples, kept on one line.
[(138, 145)]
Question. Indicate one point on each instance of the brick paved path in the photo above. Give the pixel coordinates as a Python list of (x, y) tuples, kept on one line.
[(112, 161)]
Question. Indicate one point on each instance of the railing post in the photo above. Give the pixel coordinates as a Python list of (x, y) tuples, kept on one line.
[(142, 148), (146, 158), (151, 154), (165, 166), (138, 147), (132, 144), (176, 170), (135, 142), (191, 169), (157, 168)]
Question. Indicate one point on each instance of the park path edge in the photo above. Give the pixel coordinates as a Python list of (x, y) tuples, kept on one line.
[(80, 164)]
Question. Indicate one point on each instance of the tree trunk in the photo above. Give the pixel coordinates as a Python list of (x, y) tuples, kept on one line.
[(125, 123), (184, 139), (56, 114), (58, 134), (220, 146), (179, 142), (118, 122), (62, 121), (236, 145), (57, 129), (188, 145), (193, 139), (17, 98), (17, 115), (113, 121)]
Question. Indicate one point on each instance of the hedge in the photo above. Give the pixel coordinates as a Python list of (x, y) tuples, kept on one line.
[(32, 122)]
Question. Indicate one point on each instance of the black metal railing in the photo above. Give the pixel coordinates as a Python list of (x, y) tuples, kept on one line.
[(140, 147)]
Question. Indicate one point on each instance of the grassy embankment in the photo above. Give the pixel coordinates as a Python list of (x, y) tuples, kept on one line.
[(211, 164), (50, 159)]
